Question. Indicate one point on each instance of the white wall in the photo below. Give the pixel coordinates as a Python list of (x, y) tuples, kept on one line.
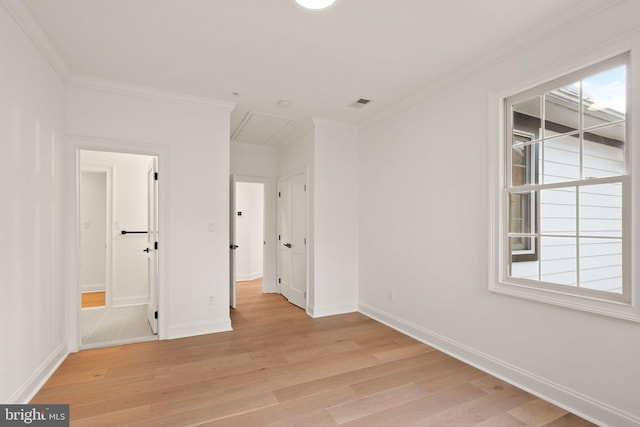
[(424, 221), (129, 283), (249, 230), (191, 137), (329, 152), (93, 234), (32, 303), (335, 218), (258, 163)]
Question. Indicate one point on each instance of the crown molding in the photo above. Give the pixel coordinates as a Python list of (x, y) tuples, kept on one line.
[(128, 89), (528, 40), (30, 27), (326, 123)]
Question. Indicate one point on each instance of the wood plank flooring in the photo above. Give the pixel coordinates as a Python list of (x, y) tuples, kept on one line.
[(279, 367), (93, 299)]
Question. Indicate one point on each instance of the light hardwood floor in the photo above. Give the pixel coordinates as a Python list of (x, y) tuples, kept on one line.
[(93, 299), (280, 367)]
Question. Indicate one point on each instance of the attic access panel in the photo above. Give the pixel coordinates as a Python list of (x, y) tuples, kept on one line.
[(260, 128)]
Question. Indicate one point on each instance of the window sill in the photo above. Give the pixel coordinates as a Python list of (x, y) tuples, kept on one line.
[(616, 309)]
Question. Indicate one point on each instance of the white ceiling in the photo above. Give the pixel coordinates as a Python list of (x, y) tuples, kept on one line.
[(268, 50)]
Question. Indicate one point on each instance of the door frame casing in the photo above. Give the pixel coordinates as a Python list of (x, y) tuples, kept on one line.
[(305, 172), (71, 156), (152, 243)]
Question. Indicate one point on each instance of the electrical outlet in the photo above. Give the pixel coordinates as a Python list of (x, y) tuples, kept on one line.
[(210, 299), (391, 295)]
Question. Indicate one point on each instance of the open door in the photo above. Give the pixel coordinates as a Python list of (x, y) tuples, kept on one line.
[(292, 239), (152, 243), (232, 242)]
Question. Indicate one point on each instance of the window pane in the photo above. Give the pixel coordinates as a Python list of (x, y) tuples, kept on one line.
[(558, 260), (566, 157), (562, 159), (601, 210), (605, 97), (562, 110), (558, 211), (524, 164), (604, 151), (527, 117), (523, 266), (601, 265), (521, 213)]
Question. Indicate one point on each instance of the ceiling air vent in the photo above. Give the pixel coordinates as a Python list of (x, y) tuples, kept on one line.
[(360, 103)]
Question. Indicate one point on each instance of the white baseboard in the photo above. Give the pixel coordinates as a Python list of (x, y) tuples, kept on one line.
[(332, 310), (591, 409), (93, 287), (248, 276), (127, 301), (29, 389), (190, 329)]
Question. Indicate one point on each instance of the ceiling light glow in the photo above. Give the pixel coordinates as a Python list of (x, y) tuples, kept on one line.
[(315, 4)]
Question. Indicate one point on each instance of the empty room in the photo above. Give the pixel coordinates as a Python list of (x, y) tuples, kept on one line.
[(317, 212)]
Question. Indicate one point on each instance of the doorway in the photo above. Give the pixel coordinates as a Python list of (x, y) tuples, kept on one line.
[(117, 203), (247, 235), (94, 244)]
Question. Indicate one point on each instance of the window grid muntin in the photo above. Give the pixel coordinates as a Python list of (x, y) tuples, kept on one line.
[(542, 91)]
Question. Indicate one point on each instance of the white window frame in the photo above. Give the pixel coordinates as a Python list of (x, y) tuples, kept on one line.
[(625, 306)]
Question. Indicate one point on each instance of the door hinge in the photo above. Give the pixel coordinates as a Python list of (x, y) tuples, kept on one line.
[(155, 315), (278, 237), (305, 295), (155, 176), (305, 187), (305, 240), (155, 245), (279, 280), (279, 194)]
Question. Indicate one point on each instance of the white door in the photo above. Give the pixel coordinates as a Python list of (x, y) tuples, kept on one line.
[(292, 239), (232, 242), (152, 243)]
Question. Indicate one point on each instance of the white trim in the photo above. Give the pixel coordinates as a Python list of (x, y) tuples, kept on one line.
[(526, 41), (119, 341), (30, 27), (629, 310), (121, 88), (247, 118), (40, 376), (129, 301), (249, 276), (93, 287), (317, 121), (190, 329), (331, 310), (564, 397), (75, 143)]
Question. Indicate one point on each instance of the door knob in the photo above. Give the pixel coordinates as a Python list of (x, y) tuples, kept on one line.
[(233, 247), (288, 245), (146, 250)]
